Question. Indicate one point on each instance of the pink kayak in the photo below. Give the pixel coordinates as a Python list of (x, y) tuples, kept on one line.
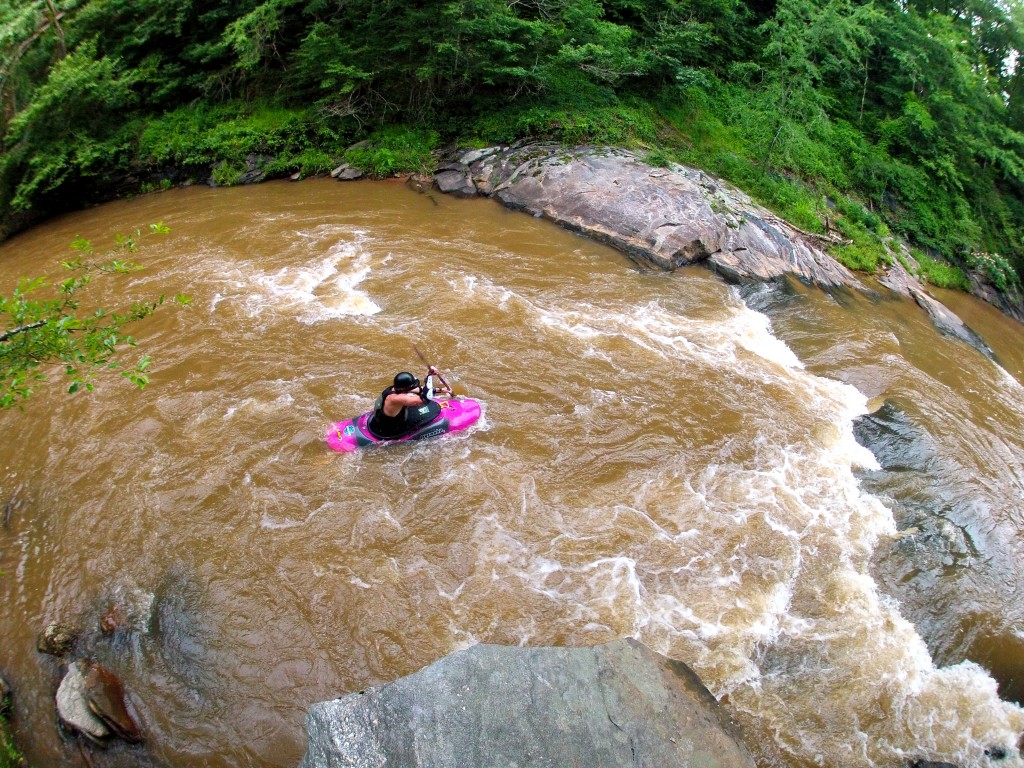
[(454, 414)]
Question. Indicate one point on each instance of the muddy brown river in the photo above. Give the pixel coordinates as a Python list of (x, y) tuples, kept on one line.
[(661, 456)]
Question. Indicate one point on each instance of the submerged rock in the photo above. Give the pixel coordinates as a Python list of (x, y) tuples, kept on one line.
[(57, 639), (605, 707), (112, 619), (13, 505), (895, 441), (899, 281)]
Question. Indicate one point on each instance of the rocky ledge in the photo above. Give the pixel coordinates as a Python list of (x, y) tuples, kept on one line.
[(604, 707), (666, 218)]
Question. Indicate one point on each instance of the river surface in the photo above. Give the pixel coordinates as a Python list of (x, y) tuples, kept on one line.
[(661, 456)]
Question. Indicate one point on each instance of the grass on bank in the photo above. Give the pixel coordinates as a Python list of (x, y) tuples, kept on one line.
[(227, 137), (941, 274)]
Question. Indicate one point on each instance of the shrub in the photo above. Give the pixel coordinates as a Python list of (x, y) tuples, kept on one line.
[(308, 162), (866, 252), (394, 150), (996, 268), (658, 158), (226, 174), (202, 136), (619, 124), (10, 755)]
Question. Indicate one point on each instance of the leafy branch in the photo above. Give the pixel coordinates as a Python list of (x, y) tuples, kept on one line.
[(41, 331)]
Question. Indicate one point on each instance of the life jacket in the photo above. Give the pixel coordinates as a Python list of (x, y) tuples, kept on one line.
[(407, 419)]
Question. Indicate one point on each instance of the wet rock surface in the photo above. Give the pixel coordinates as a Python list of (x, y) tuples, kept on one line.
[(899, 281), (73, 704), (661, 217), (603, 707), (938, 543), (107, 701), (91, 701), (895, 441), (57, 639)]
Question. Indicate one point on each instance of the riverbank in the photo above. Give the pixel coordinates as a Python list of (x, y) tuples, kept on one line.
[(10, 756), (668, 217)]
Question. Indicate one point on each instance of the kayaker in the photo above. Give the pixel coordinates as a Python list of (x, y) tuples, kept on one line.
[(405, 405)]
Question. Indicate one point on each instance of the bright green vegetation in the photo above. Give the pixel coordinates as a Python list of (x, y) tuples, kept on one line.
[(43, 325), (393, 150), (940, 273), (867, 119), (10, 755)]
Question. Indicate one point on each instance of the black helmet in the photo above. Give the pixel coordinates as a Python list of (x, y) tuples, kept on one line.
[(405, 381)]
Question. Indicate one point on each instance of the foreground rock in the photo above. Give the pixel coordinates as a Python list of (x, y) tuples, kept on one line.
[(666, 217), (107, 701), (91, 701), (73, 705), (604, 707)]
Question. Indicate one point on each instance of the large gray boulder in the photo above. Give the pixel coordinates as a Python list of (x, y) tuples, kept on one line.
[(604, 707), (660, 217)]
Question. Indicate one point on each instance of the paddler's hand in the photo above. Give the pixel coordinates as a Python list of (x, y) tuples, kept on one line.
[(432, 371)]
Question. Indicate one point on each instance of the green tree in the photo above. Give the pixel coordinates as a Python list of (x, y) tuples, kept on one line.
[(814, 50), (70, 130)]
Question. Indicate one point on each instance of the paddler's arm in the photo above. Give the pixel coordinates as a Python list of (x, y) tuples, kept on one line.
[(394, 403)]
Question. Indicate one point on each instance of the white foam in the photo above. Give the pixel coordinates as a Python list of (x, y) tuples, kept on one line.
[(804, 583), (316, 286), (722, 340), (753, 333), (317, 290)]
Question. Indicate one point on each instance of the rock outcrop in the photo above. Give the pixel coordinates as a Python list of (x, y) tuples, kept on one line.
[(667, 217), (604, 707), (898, 280), (660, 217)]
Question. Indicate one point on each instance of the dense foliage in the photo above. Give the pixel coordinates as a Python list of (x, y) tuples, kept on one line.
[(873, 117)]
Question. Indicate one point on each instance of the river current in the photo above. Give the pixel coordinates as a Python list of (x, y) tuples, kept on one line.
[(661, 456)]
